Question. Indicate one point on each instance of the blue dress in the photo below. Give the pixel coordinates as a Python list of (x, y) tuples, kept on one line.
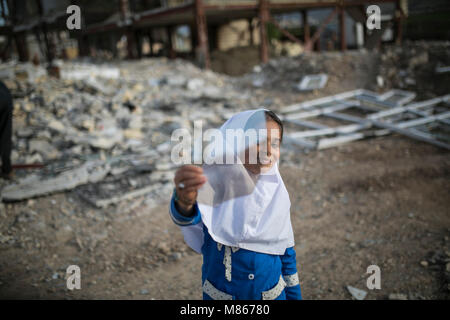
[(232, 273)]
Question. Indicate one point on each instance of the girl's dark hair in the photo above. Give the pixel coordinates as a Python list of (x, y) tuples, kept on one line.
[(257, 118), (272, 116)]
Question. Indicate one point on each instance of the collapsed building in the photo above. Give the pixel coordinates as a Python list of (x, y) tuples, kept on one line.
[(36, 29)]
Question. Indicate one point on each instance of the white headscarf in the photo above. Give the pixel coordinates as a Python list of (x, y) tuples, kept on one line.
[(243, 210)]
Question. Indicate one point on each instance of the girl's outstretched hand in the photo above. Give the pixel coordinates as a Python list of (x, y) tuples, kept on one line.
[(188, 179)]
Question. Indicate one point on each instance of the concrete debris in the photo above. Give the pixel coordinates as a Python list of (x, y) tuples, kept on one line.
[(442, 69), (424, 263), (102, 203), (117, 117), (80, 71), (24, 71), (380, 81), (313, 82), (34, 186), (397, 296), (195, 84), (356, 293)]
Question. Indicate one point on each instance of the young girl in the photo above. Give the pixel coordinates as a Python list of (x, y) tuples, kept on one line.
[(238, 216)]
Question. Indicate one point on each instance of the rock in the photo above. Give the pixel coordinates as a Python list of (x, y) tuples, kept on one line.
[(64, 234), (312, 82), (419, 59), (195, 84), (44, 135), (144, 292), (44, 148), (258, 82), (397, 296), (35, 158), (26, 216), (24, 132), (213, 93), (176, 81), (410, 81), (133, 134), (424, 263), (56, 125), (154, 82), (176, 256), (358, 294), (380, 81), (39, 226), (95, 86), (164, 247)]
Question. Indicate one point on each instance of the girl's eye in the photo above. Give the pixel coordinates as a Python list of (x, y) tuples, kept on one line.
[(275, 145)]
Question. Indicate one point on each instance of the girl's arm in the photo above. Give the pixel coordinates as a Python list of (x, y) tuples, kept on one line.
[(183, 207), (181, 217), (191, 225), (290, 275)]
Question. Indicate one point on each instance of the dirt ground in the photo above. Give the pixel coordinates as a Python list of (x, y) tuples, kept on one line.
[(382, 201)]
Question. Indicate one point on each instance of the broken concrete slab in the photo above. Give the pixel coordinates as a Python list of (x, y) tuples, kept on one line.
[(356, 293), (103, 203), (442, 69), (35, 186), (313, 82), (79, 71), (44, 148)]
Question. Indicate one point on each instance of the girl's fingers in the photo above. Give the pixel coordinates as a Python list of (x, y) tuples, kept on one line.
[(194, 187), (192, 178), (188, 171), (192, 168), (187, 175), (193, 181)]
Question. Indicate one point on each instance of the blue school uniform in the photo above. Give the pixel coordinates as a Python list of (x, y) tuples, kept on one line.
[(232, 273)]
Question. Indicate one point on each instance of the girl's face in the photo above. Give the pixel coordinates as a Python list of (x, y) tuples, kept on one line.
[(268, 151)]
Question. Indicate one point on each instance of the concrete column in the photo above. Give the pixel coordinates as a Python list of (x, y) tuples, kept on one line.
[(342, 28), (263, 18), (306, 31), (202, 50)]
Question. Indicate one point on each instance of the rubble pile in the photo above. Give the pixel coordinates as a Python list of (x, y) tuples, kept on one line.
[(99, 120), (286, 73), (415, 66)]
